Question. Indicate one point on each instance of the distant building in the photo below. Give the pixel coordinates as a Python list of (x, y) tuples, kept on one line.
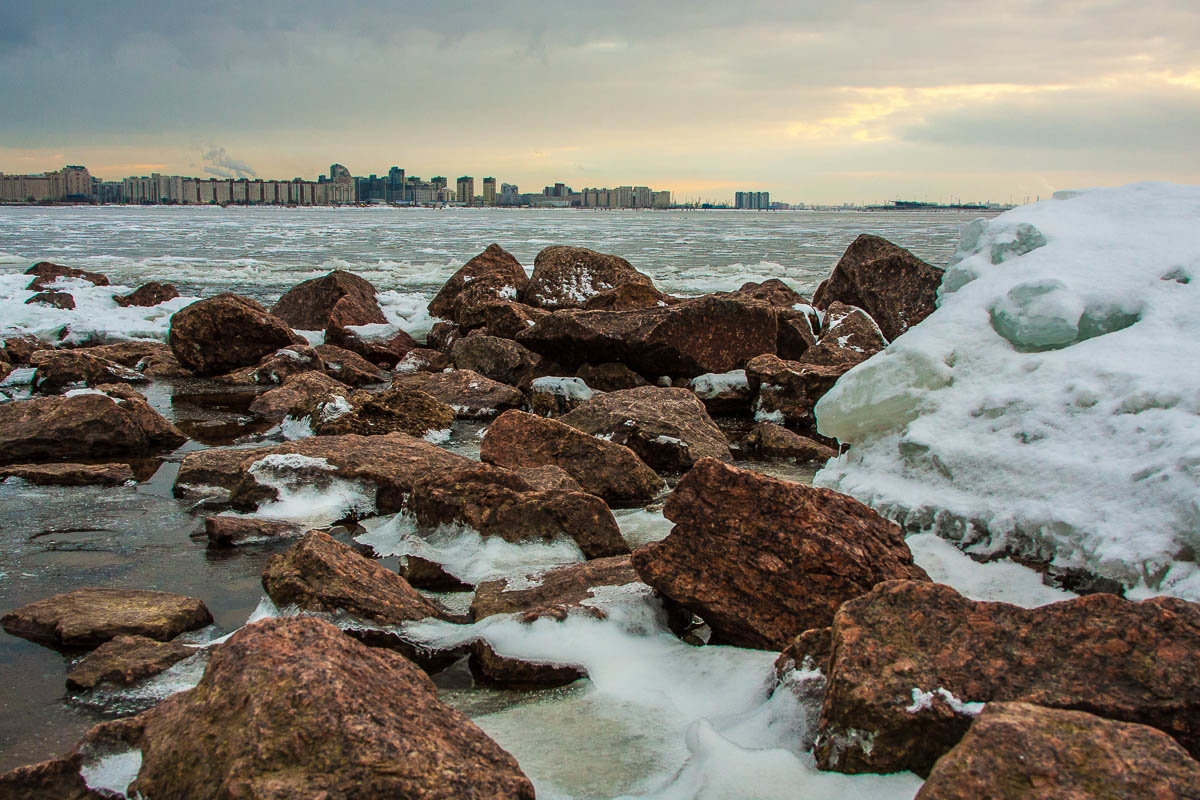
[(465, 190), (395, 190), (489, 191), (69, 184), (757, 201)]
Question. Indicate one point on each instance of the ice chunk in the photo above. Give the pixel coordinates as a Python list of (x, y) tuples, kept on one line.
[(712, 384), (1039, 315), (571, 388)]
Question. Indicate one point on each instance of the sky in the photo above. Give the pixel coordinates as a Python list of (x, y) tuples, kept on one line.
[(815, 102)]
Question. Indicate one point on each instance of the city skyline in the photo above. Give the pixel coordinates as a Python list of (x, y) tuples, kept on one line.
[(861, 101)]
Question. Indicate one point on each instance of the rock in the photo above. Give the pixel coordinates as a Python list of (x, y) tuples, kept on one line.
[(56, 779), (421, 359), (908, 658), (610, 471), (773, 292), (495, 274), (553, 397), (425, 574), (123, 660), (610, 377), (668, 429), (349, 367), (441, 336), (471, 395), (292, 708), (708, 334), (339, 298), (382, 351), (47, 273), (148, 294), (629, 297), (234, 531), (220, 334), (566, 277), (893, 286), (63, 300), (89, 617), (724, 394), (808, 651), (547, 477), (762, 560), (298, 395), (499, 359), (409, 411), (152, 359), (506, 319), (59, 370), (786, 391), (848, 336), (768, 440), (1019, 750), (797, 333), (69, 474), (277, 367), (19, 349), (94, 425)]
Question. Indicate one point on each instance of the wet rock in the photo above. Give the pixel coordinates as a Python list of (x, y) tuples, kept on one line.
[(124, 660), (797, 333), (808, 651), (69, 474), (507, 319), (610, 471), (220, 334), (421, 359), (293, 708), (893, 286), (63, 300), (382, 351), (400, 409), (554, 593), (471, 395), (762, 560), (1019, 750), (152, 359), (499, 359), (848, 337), (724, 394), (547, 477), (629, 297), (441, 336), (668, 429), (148, 294), (59, 370), (47, 273), (298, 395), (277, 367), (553, 397), (909, 658), (708, 334), (425, 574), (234, 531), (339, 298), (19, 349), (495, 274), (89, 617), (108, 422), (786, 391), (773, 292), (567, 277), (349, 367), (610, 377), (55, 779), (771, 441)]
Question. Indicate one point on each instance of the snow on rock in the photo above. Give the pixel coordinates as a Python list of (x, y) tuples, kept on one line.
[(1045, 407)]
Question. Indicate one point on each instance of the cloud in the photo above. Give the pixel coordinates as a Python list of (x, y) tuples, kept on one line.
[(218, 162)]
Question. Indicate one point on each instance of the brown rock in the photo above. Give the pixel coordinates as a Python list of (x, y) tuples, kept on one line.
[(63, 300), (495, 274), (848, 336), (222, 333), (349, 367), (152, 359), (89, 617), (723, 395), (610, 471), (409, 411), (83, 426), (773, 292), (808, 651), (210, 474), (19, 349), (471, 395), (69, 474), (668, 429), (797, 333), (1021, 751), (547, 477), (1135, 662), (234, 531), (441, 336), (768, 440), (786, 391), (610, 377), (47, 273), (148, 294), (291, 708), (124, 660), (382, 351), (277, 367), (499, 359), (566, 277), (714, 333), (506, 319), (340, 297), (59, 370), (893, 286), (629, 297), (298, 395), (55, 779), (554, 396), (421, 359), (762, 560)]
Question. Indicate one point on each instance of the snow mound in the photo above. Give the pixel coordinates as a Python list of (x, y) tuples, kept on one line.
[(1049, 406)]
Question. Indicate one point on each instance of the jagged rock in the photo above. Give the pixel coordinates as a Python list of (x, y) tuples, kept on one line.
[(89, 617), (293, 708), (409, 411), (507, 319), (773, 292), (277, 367), (471, 395), (220, 334), (113, 421), (610, 377), (553, 396), (425, 574), (547, 477), (908, 657), (893, 286), (19, 349), (148, 294), (441, 336), (55, 779), (59, 370), (768, 440), (123, 660), (610, 471), (297, 396), (499, 359), (47, 273), (349, 367), (848, 337), (724, 394), (5, 370), (714, 333), (762, 560), (339, 298), (421, 359), (69, 474), (63, 300), (786, 391), (797, 333), (152, 359), (808, 651), (629, 297), (495, 274), (668, 429), (234, 531), (384, 352), (566, 277), (1019, 751)]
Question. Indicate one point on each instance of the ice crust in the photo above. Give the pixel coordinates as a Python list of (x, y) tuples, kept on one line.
[(712, 384), (1049, 406), (571, 388)]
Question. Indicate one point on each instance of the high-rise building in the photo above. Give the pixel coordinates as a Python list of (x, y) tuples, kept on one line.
[(337, 171), (395, 186), (489, 191), (752, 200), (465, 190), (510, 194)]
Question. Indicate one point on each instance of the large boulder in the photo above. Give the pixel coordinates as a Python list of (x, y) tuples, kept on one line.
[(610, 376), (292, 708), (349, 367), (220, 334), (383, 350), (629, 297), (152, 359), (506, 319), (409, 411), (111, 421), (297, 396), (148, 294), (59, 370), (773, 292), (423, 359), (471, 395), (499, 359), (277, 367), (761, 560), (124, 660), (230, 531), (567, 277), (69, 474), (786, 391), (1018, 751), (714, 333), (339, 298), (893, 286), (909, 659), (610, 471), (90, 617), (62, 300), (19, 349), (669, 429), (770, 441), (46, 273), (848, 337), (495, 274)]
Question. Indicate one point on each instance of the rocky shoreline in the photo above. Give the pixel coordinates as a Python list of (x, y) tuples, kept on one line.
[(599, 392)]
